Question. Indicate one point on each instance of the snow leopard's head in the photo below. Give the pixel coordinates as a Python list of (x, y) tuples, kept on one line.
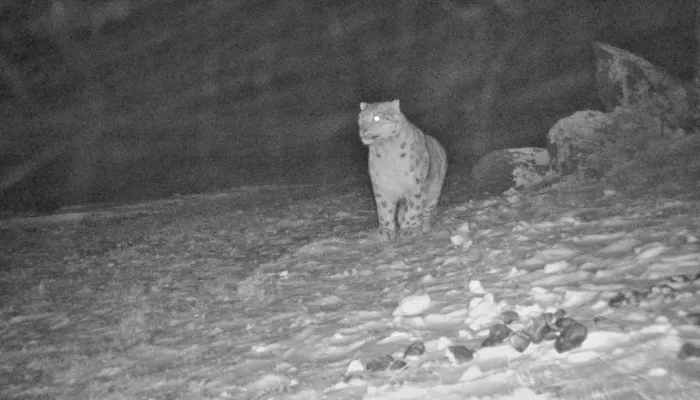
[(379, 121)]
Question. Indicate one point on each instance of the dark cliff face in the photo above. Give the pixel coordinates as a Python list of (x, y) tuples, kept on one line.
[(178, 97)]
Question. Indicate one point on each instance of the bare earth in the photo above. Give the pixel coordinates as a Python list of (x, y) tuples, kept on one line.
[(286, 293)]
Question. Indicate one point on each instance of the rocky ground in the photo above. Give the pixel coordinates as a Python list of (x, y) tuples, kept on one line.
[(572, 292)]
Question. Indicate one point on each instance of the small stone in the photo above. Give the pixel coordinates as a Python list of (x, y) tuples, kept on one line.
[(538, 328), (461, 354), (663, 289), (509, 317), (694, 318), (355, 366), (636, 295), (476, 287), (353, 378), (657, 372), (618, 300), (571, 336), (397, 365), (679, 279), (413, 305), (497, 334), (550, 320), (555, 267), (564, 323), (443, 343), (415, 349), (688, 350), (629, 297), (471, 373), (464, 228), (520, 341), (379, 364), (457, 240)]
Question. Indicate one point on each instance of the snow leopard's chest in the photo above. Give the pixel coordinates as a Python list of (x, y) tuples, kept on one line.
[(398, 167)]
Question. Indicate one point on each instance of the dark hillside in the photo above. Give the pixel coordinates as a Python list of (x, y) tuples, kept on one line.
[(152, 98)]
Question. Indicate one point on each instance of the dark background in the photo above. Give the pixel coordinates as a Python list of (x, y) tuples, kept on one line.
[(129, 100)]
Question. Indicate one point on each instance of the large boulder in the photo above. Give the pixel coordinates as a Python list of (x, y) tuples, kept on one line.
[(505, 169), (574, 141), (625, 79)]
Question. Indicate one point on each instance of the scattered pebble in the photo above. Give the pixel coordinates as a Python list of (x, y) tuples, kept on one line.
[(694, 318), (475, 287), (520, 341), (538, 328), (470, 374), (458, 240), (414, 350), (657, 372), (464, 228), (354, 366), (497, 334), (413, 305), (460, 354), (555, 267), (443, 343), (572, 335), (688, 350), (509, 317), (380, 364), (397, 365)]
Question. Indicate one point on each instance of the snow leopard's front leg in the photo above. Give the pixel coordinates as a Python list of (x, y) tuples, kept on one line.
[(386, 214), (411, 219)]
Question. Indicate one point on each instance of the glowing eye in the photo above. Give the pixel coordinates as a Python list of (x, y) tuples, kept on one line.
[(376, 118)]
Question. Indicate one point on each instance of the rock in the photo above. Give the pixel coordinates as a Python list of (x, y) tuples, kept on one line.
[(355, 366), (470, 374), (629, 296), (413, 305), (538, 328), (571, 336), (505, 169), (663, 289), (379, 364), (688, 350), (625, 79), (476, 287), (573, 142), (509, 317), (618, 300), (497, 334), (460, 354), (563, 323), (520, 341), (353, 378), (694, 318), (397, 365), (414, 350)]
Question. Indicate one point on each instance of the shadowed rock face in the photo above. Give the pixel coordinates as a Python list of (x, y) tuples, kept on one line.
[(41, 190), (203, 96), (625, 79)]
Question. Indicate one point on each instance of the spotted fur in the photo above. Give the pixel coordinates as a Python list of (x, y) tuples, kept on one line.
[(407, 169)]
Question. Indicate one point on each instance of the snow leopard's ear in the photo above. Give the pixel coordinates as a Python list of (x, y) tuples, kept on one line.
[(395, 104), (363, 106)]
